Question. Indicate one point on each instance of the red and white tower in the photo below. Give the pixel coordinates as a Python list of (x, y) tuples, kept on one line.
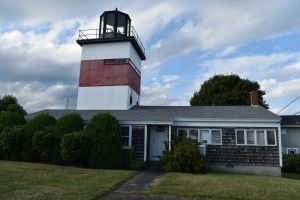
[(110, 69)]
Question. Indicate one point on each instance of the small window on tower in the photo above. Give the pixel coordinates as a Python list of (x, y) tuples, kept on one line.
[(130, 100)]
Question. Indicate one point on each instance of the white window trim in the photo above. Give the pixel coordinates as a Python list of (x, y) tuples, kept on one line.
[(129, 137), (209, 142), (255, 137), (220, 136), (292, 148)]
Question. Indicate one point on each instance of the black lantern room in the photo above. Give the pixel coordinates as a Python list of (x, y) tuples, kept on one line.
[(114, 24)]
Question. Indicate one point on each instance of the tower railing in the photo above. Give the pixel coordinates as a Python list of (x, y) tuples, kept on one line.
[(89, 34)]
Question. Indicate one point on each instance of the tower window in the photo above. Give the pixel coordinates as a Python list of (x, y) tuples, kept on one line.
[(116, 61), (130, 100)]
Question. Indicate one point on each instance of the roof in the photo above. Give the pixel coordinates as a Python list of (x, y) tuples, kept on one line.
[(290, 120), (173, 113)]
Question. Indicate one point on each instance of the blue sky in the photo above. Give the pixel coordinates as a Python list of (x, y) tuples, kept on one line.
[(186, 43)]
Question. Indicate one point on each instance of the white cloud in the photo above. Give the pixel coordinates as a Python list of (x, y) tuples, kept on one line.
[(170, 78)]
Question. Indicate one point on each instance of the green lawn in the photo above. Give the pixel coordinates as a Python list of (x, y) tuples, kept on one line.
[(228, 186), (20, 180)]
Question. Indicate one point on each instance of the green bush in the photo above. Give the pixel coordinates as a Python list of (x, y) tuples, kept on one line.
[(127, 158), (11, 143), (10, 119), (43, 145), (105, 142), (291, 163), (68, 124), (39, 123), (74, 148), (184, 157)]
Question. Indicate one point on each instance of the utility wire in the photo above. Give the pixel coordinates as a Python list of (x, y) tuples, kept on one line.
[(289, 105), (296, 113)]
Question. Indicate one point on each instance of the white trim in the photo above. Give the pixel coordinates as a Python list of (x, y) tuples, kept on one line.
[(259, 120), (170, 136), (145, 143), (292, 148), (129, 136), (226, 124), (290, 126), (146, 122), (255, 137), (280, 145)]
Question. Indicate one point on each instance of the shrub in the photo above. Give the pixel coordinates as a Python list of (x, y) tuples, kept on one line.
[(68, 124), (127, 158), (10, 119), (74, 148), (43, 145), (184, 157), (105, 142), (39, 123), (291, 163), (11, 143)]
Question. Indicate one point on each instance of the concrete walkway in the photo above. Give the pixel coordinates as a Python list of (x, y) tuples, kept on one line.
[(142, 182)]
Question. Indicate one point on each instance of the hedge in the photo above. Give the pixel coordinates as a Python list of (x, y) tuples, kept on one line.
[(68, 124), (38, 123), (10, 119), (105, 142), (74, 148), (11, 142)]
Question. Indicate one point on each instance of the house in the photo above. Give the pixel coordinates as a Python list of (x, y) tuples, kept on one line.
[(290, 134), (233, 138)]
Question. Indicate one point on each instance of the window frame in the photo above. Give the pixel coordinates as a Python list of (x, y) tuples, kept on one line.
[(129, 136), (209, 142), (293, 149), (255, 137)]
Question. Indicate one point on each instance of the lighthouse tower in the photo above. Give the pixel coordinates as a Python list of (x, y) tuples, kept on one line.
[(110, 69)]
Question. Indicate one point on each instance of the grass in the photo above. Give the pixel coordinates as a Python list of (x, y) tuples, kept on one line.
[(20, 180), (228, 186)]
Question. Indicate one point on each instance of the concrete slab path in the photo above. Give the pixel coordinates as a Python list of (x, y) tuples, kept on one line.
[(142, 182)]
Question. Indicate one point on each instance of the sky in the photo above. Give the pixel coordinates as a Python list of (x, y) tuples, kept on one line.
[(186, 42)]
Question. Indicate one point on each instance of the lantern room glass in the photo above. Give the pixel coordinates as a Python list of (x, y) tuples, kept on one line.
[(114, 24)]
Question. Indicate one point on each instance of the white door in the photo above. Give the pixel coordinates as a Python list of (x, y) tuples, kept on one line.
[(157, 145)]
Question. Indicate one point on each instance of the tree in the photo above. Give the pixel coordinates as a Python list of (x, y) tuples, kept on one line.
[(105, 142), (10, 119), (68, 124), (10, 103), (227, 90)]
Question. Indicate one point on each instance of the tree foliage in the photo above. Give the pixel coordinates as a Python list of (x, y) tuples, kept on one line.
[(10, 119), (227, 90), (105, 142), (10, 103), (68, 124)]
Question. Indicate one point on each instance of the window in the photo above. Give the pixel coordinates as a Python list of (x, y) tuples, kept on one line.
[(292, 151), (260, 137), (271, 137), (256, 137), (116, 61), (125, 136), (193, 134), (240, 137), (204, 136), (216, 137), (250, 137)]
